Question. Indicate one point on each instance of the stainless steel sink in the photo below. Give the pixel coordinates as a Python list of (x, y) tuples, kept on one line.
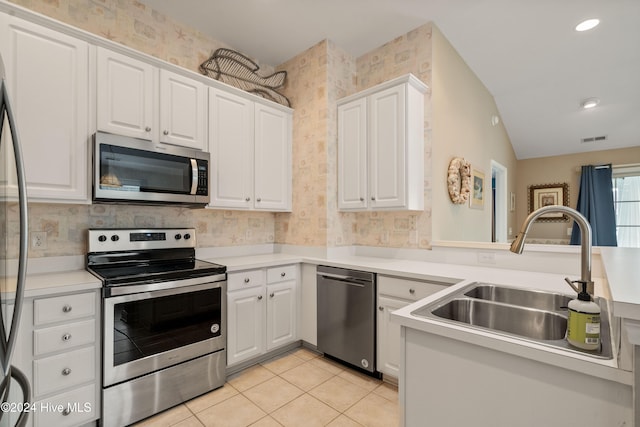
[(521, 297), (531, 315)]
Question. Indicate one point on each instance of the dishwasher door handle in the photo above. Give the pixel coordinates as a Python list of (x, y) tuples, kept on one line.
[(350, 280)]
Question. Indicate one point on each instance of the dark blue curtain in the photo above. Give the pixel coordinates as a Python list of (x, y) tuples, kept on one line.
[(595, 202)]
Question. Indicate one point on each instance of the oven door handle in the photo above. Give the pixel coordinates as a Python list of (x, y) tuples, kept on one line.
[(154, 290)]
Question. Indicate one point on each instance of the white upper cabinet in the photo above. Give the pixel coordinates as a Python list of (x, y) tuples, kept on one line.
[(48, 81), (381, 147), (126, 92), (272, 158), (183, 111), (139, 100), (231, 148), (250, 145)]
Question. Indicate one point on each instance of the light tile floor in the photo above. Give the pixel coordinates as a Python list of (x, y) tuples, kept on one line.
[(299, 388)]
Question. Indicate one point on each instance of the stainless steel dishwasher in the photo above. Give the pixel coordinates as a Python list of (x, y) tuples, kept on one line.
[(347, 316)]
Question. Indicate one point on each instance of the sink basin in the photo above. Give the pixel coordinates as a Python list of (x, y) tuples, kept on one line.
[(521, 297), (531, 323), (531, 315)]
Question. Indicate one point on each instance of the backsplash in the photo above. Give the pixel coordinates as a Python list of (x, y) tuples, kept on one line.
[(66, 225)]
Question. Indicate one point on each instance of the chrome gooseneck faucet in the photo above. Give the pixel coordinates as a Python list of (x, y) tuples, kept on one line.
[(585, 236)]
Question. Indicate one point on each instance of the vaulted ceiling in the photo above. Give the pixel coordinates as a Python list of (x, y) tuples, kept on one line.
[(527, 53)]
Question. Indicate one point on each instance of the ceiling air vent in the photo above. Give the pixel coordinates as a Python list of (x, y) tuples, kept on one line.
[(594, 139)]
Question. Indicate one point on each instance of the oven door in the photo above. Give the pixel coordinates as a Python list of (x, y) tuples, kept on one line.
[(148, 331)]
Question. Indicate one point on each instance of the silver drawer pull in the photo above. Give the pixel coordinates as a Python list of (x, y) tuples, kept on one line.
[(283, 274), (66, 411), (247, 199), (259, 297), (412, 291), (147, 129), (271, 295), (66, 371), (247, 280), (66, 337), (381, 308), (67, 308), (166, 132)]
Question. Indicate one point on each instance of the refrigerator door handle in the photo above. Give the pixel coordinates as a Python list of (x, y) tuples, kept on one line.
[(23, 382), (22, 195)]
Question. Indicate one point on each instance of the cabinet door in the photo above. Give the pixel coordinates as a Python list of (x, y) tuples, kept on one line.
[(127, 96), (272, 159), (352, 155), (183, 106), (389, 342), (48, 82), (246, 311), (387, 148), (231, 148), (281, 314)]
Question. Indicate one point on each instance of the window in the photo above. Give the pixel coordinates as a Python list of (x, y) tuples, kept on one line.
[(626, 199)]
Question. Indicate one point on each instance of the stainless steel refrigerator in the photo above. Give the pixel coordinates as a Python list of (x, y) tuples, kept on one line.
[(15, 394)]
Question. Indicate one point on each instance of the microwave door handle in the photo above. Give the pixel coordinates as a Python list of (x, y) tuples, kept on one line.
[(194, 176)]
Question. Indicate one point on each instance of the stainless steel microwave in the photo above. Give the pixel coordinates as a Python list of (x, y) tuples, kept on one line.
[(136, 171)]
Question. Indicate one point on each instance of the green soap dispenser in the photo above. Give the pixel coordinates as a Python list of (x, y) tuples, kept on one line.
[(583, 325)]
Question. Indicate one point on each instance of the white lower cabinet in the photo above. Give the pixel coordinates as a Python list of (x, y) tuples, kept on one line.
[(59, 352), (262, 311), (245, 338), (395, 293)]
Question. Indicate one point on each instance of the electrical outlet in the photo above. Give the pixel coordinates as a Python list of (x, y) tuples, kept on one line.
[(486, 257), (569, 231), (39, 240)]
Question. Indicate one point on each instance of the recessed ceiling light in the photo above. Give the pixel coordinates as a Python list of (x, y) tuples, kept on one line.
[(587, 24), (589, 103)]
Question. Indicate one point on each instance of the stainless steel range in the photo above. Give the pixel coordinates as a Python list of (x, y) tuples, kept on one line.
[(164, 336)]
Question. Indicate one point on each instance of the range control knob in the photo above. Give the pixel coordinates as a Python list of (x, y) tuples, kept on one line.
[(178, 236), (102, 238), (115, 238), (187, 236)]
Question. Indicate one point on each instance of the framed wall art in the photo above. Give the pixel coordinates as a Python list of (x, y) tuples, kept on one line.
[(478, 190), (549, 194)]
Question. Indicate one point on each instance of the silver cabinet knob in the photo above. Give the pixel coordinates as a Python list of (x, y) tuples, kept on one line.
[(362, 199), (66, 337), (166, 132), (247, 199), (147, 129), (373, 198), (67, 308), (66, 371), (247, 280), (283, 274), (271, 295), (66, 411), (258, 199), (412, 291), (381, 308), (259, 297)]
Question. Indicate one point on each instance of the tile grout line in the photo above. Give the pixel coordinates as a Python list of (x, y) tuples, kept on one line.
[(341, 369)]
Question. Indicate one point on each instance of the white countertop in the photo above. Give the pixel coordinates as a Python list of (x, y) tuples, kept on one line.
[(622, 267), (39, 284)]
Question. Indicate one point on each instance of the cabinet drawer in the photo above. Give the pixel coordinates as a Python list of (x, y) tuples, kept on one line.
[(245, 279), (411, 290), (63, 337), (64, 308), (67, 409), (64, 370), (281, 274)]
